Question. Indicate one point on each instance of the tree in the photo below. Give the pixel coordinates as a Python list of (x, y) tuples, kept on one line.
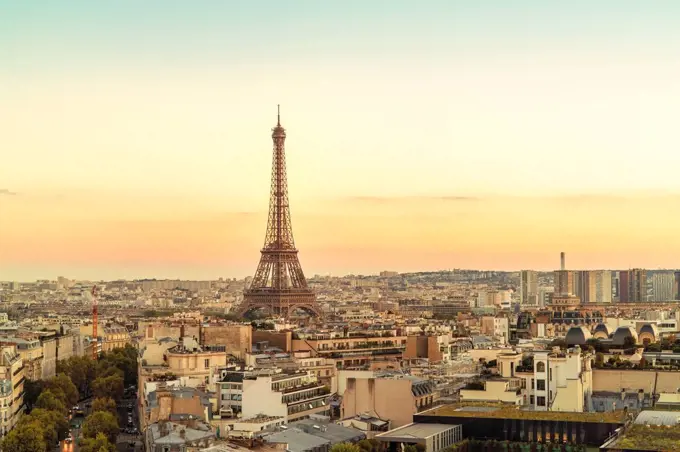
[(64, 383), (54, 424), (81, 370), (345, 447), (101, 422), (629, 342), (369, 445), (25, 437), (32, 390), (51, 401), (98, 444), (104, 404), (111, 386), (599, 359)]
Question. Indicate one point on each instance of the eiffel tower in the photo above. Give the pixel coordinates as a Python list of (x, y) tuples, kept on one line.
[(279, 286)]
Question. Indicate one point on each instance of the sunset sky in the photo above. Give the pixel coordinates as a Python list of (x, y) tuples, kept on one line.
[(422, 135)]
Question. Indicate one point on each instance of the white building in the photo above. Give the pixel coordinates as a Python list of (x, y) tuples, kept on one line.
[(291, 395), (562, 380)]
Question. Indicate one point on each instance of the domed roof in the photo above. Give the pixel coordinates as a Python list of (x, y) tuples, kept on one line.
[(577, 335), (650, 328), (602, 328), (622, 333)]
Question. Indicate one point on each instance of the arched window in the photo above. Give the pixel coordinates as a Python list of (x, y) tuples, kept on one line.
[(540, 367)]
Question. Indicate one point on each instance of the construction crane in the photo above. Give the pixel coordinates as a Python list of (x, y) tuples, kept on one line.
[(95, 320)]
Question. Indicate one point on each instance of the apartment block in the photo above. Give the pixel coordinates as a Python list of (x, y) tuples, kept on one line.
[(11, 388), (292, 395)]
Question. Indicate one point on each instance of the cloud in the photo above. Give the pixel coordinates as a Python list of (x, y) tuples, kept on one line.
[(415, 198), (7, 192)]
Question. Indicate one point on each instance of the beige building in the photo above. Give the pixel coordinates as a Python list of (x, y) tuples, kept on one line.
[(290, 395), (115, 336), (557, 381), (236, 337), (563, 380), (31, 353), (11, 388), (396, 398), (354, 352)]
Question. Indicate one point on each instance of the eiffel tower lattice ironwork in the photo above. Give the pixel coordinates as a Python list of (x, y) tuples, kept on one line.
[(279, 286)]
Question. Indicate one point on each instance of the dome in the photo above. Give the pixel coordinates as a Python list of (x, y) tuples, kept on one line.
[(622, 333), (602, 331), (649, 328), (649, 333), (577, 335)]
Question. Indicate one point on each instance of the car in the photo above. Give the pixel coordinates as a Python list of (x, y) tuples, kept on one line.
[(69, 439)]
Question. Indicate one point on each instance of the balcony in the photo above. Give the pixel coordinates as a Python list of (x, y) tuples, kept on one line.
[(322, 392), (307, 408), (302, 387)]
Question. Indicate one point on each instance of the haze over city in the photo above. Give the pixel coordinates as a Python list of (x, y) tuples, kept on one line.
[(421, 135)]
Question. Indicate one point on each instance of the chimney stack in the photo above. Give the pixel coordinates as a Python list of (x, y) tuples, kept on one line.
[(563, 264)]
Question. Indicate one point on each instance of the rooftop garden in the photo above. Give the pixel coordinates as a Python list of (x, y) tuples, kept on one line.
[(646, 437), (513, 412)]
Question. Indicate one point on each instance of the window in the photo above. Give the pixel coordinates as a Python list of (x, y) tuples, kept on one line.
[(532, 383), (540, 401), (531, 400), (207, 363), (540, 385), (550, 374), (540, 367)]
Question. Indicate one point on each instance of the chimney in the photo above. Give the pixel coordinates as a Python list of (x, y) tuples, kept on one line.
[(563, 264)]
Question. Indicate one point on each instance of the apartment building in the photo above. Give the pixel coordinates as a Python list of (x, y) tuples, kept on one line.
[(529, 288), (11, 388), (555, 381), (563, 380), (115, 336), (395, 397), (435, 348), (237, 337), (292, 395), (353, 349)]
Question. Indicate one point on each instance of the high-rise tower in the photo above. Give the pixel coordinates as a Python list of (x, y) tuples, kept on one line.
[(279, 286)]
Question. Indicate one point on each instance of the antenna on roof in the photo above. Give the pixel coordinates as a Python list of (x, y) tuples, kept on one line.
[(278, 114)]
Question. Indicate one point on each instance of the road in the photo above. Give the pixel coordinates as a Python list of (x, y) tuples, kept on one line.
[(124, 439), (123, 444)]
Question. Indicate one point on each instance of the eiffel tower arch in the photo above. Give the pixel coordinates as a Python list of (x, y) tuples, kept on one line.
[(279, 286)]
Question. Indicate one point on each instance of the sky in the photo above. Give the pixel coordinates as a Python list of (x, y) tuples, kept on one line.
[(422, 135)]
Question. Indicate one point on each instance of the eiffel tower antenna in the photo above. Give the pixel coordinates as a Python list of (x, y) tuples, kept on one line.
[(279, 285)]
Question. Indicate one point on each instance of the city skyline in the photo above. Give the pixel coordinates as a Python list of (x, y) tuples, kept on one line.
[(444, 136)]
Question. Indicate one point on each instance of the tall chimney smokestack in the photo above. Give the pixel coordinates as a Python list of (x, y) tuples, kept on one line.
[(563, 264)]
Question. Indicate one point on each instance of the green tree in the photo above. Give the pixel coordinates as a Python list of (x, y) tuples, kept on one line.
[(32, 390), (63, 382), (81, 370), (54, 424), (111, 386), (98, 444), (25, 437), (101, 422), (345, 447), (369, 445), (51, 401), (628, 342), (104, 404)]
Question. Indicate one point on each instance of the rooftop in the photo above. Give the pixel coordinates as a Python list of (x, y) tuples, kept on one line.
[(494, 410), (416, 430), (648, 437)]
